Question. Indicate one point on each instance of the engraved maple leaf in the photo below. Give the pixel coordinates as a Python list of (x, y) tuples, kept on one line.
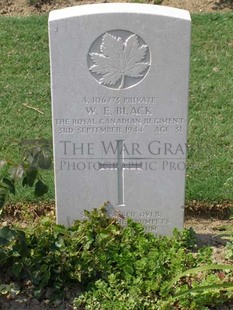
[(119, 59)]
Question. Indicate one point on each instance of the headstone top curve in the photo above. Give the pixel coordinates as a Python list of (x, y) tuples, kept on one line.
[(113, 8)]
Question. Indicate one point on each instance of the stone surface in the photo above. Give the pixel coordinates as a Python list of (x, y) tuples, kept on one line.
[(120, 76)]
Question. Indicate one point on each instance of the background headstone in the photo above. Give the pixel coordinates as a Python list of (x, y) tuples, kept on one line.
[(120, 77)]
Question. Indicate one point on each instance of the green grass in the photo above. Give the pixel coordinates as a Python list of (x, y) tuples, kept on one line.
[(24, 79), (210, 111)]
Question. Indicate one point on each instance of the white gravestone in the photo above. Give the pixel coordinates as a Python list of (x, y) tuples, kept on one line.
[(120, 78)]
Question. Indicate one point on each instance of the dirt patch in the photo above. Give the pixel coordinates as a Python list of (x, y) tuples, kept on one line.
[(201, 5), (34, 7)]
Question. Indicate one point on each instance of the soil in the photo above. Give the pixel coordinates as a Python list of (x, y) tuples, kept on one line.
[(32, 7)]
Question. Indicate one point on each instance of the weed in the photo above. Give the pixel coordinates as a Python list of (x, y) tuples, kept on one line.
[(36, 155), (113, 267)]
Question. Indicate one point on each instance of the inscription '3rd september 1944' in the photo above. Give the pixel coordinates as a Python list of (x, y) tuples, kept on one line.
[(119, 59)]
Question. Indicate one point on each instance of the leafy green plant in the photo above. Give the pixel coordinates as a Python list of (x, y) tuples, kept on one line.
[(9, 289), (140, 276), (36, 155), (112, 267)]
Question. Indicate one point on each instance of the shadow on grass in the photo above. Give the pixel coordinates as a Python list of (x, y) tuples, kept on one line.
[(223, 4)]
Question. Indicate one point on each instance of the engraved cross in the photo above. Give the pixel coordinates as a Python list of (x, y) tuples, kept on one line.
[(120, 166)]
